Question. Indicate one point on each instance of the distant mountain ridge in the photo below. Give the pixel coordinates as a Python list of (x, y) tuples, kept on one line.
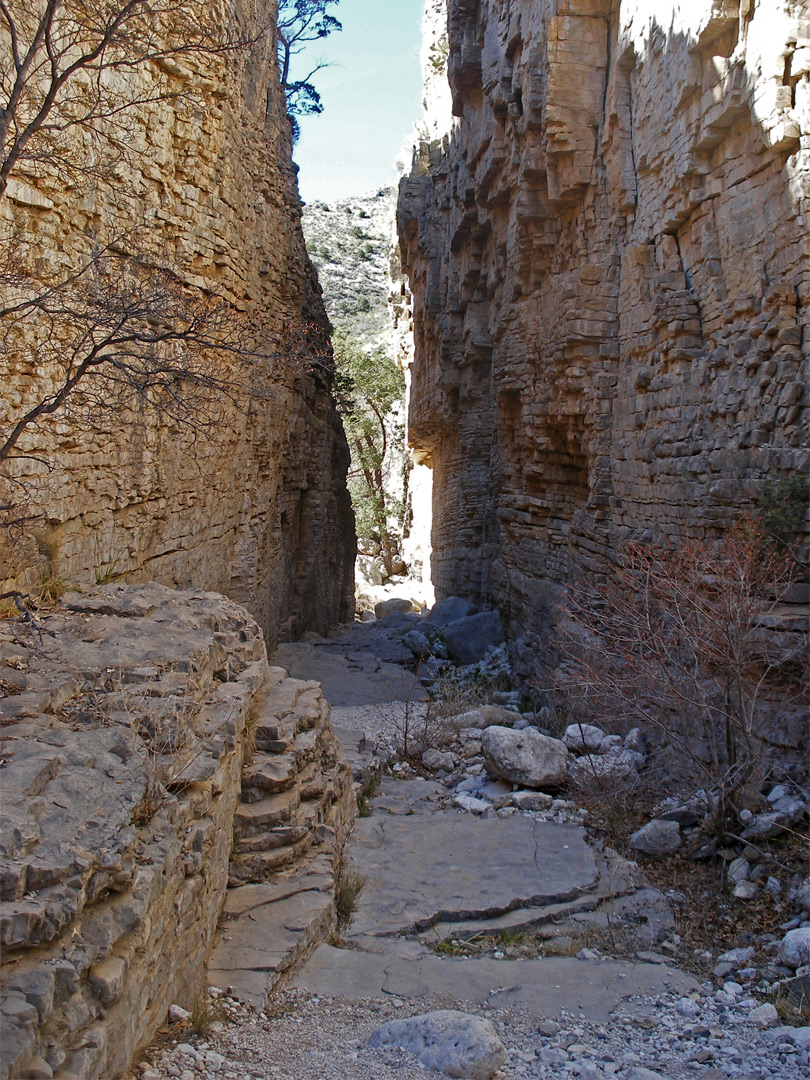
[(350, 242)]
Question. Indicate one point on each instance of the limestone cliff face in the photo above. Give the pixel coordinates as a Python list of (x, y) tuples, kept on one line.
[(258, 509), (608, 253)]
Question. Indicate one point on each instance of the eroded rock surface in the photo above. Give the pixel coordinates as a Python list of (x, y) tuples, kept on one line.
[(124, 718), (251, 501), (607, 249)]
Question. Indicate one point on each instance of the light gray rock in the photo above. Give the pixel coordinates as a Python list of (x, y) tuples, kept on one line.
[(450, 610), (657, 838), (417, 643), (469, 639), (585, 737), (471, 804), (525, 757), (764, 1016), (495, 714), (449, 1041), (604, 768), (499, 793), (473, 718), (611, 742), (531, 800), (634, 740), (746, 890), (738, 870), (643, 1074), (794, 948), (434, 759), (737, 957), (390, 607), (784, 812), (800, 895)]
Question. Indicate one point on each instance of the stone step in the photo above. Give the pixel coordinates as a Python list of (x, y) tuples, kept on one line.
[(271, 927), (259, 865), (274, 810), (272, 839), (277, 725), (268, 774)]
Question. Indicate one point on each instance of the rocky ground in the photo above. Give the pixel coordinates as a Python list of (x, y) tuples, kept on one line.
[(486, 896)]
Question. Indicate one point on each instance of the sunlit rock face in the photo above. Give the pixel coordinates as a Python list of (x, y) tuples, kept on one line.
[(608, 254), (256, 505)]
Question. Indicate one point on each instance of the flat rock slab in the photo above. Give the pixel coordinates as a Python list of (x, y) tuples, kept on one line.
[(405, 797), (271, 927), (343, 684), (358, 665), (421, 869), (546, 986)]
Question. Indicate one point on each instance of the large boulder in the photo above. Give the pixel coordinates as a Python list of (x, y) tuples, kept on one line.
[(450, 610), (794, 948), (468, 640), (525, 757), (448, 1041)]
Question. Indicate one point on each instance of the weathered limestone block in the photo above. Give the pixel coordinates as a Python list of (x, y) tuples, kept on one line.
[(115, 843), (296, 790), (607, 251)]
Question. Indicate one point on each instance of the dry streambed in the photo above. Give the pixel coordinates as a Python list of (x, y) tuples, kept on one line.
[(507, 914)]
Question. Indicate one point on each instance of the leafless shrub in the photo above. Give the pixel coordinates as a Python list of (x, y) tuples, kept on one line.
[(680, 643), (73, 73)]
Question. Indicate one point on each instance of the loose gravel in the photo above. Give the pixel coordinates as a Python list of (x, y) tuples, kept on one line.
[(303, 1037)]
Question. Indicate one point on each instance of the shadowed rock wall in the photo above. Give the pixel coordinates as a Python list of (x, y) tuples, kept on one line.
[(258, 507), (608, 252)]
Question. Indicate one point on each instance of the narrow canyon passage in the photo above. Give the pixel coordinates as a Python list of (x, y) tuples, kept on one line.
[(404, 545), (446, 911)]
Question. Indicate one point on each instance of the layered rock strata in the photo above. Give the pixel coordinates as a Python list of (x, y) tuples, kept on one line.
[(125, 720), (253, 502), (608, 252)]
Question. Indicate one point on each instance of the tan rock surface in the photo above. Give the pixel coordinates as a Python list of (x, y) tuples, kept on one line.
[(608, 254), (124, 721), (259, 509)]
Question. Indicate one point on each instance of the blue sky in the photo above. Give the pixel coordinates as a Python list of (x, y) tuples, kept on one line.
[(372, 97)]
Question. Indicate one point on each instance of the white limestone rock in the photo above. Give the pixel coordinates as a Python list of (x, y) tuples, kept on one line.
[(794, 948), (525, 757), (449, 1041), (657, 838), (584, 737)]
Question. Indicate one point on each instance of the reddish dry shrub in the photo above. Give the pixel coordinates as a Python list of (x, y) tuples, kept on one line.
[(685, 641)]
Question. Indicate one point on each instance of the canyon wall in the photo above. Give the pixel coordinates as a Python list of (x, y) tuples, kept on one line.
[(607, 245), (253, 502)]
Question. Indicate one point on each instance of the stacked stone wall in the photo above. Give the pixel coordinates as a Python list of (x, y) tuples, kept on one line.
[(608, 253)]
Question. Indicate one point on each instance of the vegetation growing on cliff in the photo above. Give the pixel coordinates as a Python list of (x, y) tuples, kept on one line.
[(370, 387), (677, 642), (350, 241), (301, 22)]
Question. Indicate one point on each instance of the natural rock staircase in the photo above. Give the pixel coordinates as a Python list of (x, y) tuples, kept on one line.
[(296, 810)]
